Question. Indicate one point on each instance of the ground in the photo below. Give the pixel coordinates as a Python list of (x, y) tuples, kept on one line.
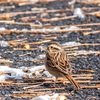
[(35, 57)]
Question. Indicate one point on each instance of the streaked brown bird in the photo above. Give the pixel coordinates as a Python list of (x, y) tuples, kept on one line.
[(57, 63)]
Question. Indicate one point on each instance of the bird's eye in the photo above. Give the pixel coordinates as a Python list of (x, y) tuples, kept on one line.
[(51, 47)]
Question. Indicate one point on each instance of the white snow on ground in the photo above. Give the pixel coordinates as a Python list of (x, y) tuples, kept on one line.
[(4, 44), (2, 29), (37, 73), (79, 13), (52, 29), (18, 73), (3, 77), (46, 29), (40, 56), (15, 73), (70, 43), (24, 29), (46, 97), (35, 68), (71, 28), (39, 22), (48, 74), (82, 51), (23, 67)]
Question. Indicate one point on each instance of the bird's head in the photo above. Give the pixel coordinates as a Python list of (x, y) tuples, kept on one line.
[(53, 47)]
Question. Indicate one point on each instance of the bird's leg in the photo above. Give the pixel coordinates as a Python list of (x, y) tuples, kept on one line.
[(54, 84), (63, 81)]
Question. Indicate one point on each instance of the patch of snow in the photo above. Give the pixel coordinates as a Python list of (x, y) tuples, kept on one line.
[(3, 77), (23, 67), (37, 73), (56, 28), (70, 43), (35, 68), (82, 51), (6, 76), (37, 21), (46, 29), (24, 29), (2, 29), (45, 97), (40, 56), (42, 46), (15, 73), (4, 44), (62, 98), (79, 13), (48, 74), (30, 75), (71, 28)]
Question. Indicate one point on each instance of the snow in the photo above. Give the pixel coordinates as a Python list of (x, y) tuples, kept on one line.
[(2, 29), (15, 73), (46, 97), (4, 44), (46, 29), (37, 73), (56, 28), (71, 28), (48, 74), (3, 77), (79, 13), (35, 68), (37, 21), (40, 56), (70, 43), (24, 29), (23, 67), (82, 51)]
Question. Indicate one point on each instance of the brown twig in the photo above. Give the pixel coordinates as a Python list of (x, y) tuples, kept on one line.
[(93, 32), (47, 20), (32, 86), (86, 44), (5, 61), (63, 26), (8, 15), (39, 32), (85, 53), (88, 2), (96, 86), (32, 43)]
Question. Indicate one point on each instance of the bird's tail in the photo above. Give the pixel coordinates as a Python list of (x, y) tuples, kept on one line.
[(76, 85)]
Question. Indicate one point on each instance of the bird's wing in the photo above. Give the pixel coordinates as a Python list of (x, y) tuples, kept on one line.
[(61, 63)]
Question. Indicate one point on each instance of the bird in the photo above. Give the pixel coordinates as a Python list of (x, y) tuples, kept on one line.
[(57, 63)]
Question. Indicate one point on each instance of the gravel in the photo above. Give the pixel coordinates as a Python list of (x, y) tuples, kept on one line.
[(87, 62)]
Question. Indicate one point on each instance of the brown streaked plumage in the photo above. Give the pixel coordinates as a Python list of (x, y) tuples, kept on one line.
[(57, 63)]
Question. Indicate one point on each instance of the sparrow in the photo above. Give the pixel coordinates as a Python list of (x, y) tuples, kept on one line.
[(57, 63)]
